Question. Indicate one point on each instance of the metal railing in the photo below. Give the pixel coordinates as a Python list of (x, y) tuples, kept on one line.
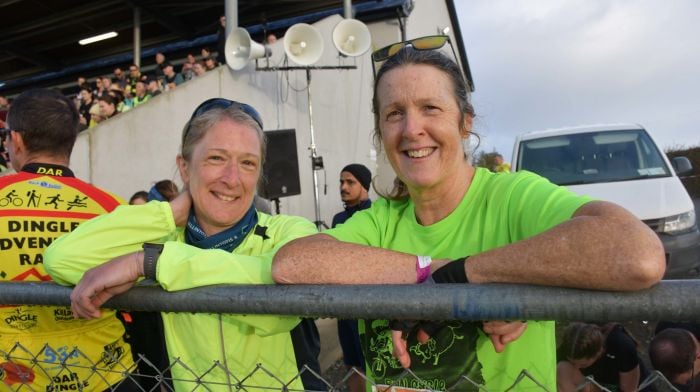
[(673, 300), (669, 300)]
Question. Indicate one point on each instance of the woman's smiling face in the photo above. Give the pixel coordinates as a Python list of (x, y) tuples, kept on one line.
[(222, 174), (419, 120)]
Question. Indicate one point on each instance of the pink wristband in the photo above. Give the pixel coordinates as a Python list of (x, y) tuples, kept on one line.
[(422, 268)]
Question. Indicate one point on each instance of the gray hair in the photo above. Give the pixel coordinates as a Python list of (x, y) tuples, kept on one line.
[(201, 124)]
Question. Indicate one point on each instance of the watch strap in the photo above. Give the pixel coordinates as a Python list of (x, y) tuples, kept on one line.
[(151, 253)]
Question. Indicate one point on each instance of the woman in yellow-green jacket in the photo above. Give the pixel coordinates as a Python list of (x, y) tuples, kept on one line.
[(210, 234)]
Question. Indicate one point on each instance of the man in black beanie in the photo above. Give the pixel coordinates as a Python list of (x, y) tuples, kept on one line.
[(355, 180)]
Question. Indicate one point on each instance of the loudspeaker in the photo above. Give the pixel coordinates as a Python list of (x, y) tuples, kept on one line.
[(240, 49), (303, 44), (281, 167), (351, 37)]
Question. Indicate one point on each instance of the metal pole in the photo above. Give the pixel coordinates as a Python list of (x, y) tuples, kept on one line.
[(347, 9), (673, 300), (231, 10), (137, 36), (315, 159)]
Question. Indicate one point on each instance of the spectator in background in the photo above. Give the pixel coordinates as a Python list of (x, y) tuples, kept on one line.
[(271, 39), (160, 65), (134, 76), (209, 64), (206, 53), (96, 115), (190, 59), (499, 164), (675, 352), (198, 69), (100, 90), (608, 353), (153, 87), (163, 190), (123, 104), (141, 95), (86, 102), (107, 83), (140, 197), (108, 106), (120, 77), (171, 78), (187, 72), (355, 180), (81, 81)]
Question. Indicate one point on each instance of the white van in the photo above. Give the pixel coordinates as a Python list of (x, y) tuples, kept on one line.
[(621, 163)]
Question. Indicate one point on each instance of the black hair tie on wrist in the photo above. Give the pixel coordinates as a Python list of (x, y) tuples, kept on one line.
[(452, 272)]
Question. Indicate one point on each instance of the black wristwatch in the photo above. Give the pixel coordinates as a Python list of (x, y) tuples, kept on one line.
[(151, 253)]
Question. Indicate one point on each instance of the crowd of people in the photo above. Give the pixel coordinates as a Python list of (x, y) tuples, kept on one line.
[(444, 222), (108, 95)]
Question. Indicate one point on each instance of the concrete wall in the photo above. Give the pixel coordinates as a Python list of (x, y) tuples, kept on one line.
[(133, 150)]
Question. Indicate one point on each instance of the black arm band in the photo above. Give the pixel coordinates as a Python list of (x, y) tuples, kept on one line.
[(151, 252), (452, 272)]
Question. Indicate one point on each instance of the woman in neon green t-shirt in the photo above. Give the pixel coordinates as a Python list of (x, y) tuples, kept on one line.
[(508, 228)]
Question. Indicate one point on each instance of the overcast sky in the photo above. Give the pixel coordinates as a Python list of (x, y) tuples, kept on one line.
[(552, 63)]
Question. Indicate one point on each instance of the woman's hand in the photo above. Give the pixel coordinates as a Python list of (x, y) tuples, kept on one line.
[(181, 207), (503, 332), (103, 282)]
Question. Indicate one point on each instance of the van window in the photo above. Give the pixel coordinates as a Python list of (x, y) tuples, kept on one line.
[(585, 158)]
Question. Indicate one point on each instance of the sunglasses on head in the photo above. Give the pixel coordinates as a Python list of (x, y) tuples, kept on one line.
[(431, 42), (223, 103)]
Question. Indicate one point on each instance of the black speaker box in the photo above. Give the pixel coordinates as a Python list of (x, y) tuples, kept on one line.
[(281, 168)]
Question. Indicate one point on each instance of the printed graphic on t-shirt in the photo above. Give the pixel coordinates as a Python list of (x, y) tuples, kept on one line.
[(439, 364)]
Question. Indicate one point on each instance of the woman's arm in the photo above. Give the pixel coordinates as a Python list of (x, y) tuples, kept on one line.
[(106, 237), (321, 258), (601, 247)]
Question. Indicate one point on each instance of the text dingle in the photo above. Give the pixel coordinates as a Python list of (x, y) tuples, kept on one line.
[(41, 226)]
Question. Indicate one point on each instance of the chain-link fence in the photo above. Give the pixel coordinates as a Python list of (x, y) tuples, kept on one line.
[(20, 368), (68, 369)]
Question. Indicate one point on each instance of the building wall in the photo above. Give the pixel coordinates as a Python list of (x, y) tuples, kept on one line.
[(133, 150)]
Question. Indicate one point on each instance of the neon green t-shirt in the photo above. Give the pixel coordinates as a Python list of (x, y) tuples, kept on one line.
[(498, 209)]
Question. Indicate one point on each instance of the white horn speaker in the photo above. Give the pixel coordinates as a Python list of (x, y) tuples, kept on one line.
[(303, 44), (351, 37), (240, 49)]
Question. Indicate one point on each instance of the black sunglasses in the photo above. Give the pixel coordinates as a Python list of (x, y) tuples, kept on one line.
[(430, 42), (222, 103)]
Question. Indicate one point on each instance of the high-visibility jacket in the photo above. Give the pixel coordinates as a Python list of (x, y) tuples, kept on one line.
[(218, 350), (38, 205)]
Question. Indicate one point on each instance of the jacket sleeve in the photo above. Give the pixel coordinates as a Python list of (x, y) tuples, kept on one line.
[(105, 237), (182, 266)]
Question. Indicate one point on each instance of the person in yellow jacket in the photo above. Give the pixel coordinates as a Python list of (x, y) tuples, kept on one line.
[(39, 203), (210, 234)]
